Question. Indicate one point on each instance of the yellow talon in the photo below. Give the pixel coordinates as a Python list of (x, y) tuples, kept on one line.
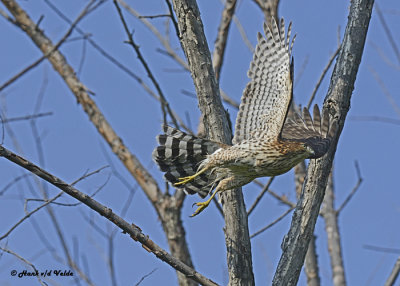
[(203, 205), (187, 179)]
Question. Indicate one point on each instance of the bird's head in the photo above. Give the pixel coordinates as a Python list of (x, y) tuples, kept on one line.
[(310, 151), (316, 147)]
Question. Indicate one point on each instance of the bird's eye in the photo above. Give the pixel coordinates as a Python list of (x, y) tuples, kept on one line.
[(309, 149)]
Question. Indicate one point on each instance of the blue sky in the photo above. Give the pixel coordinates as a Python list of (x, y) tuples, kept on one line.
[(72, 146)]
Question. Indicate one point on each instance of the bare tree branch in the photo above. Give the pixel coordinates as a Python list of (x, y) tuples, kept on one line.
[(133, 230), (272, 223), (329, 214), (321, 78), (260, 195), (281, 198), (311, 264), (27, 117), (394, 274), (386, 92), (269, 8), (216, 125), (222, 36), (242, 33), (388, 33), (353, 191), (26, 262), (164, 103), (337, 101), (376, 119), (145, 276), (167, 207), (84, 12)]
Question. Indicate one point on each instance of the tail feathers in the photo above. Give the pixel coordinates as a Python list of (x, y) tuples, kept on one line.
[(317, 132), (179, 155)]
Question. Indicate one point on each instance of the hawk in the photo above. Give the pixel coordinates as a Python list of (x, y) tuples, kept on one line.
[(264, 143)]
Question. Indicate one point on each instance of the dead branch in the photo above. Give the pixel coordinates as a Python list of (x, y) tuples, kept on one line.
[(353, 191), (167, 207), (260, 195), (329, 214), (222, 36), (269, 8), (27, 117), (164, 103), (26, 262), (84, 12), (133, 230), (385, 90), (388, 33), (272, 223), (394, 274), (216, 125), (281, 198), (321, 78), (376, 119), (337, 101), (311, 264)]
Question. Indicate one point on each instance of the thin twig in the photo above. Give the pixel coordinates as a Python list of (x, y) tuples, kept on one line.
[(154, 30), (27, 117), (381, 249), (301, 70), (387, 32), (272, 223), (174, 22), (281, 198), (375, 119), (155, 16), (243, 34), (10, 184), (104, 53), (164, 103), (321, 78), (260, 195), (384, 57), (28, 215), (145, 276), (26, 262), (386, 92), (84, 13), (134, 231), (354, 190)]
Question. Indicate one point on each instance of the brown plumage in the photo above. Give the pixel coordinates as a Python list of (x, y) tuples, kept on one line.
[(263, 144)]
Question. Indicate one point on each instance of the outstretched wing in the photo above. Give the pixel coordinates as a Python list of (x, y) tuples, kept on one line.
[(317, 132), (267, 96)]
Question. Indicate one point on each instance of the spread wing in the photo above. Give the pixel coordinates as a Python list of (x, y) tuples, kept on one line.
[(267, 96), (317, 132)]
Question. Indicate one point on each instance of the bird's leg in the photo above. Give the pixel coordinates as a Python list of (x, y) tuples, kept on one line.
[(187, 179), (203, 205)]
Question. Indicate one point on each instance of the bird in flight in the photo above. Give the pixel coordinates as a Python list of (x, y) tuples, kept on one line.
[(264, 143)]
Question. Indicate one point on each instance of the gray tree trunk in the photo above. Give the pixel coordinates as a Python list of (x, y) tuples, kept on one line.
[(337, 101)]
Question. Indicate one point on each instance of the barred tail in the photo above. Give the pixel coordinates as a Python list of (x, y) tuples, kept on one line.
[(317, 132), (179, 155)]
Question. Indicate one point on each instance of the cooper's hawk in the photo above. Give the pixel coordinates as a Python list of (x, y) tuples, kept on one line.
[(263, 145)]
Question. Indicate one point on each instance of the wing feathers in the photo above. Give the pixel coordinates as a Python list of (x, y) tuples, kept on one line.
[(267, 96), (317, 119), (315, 132)]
